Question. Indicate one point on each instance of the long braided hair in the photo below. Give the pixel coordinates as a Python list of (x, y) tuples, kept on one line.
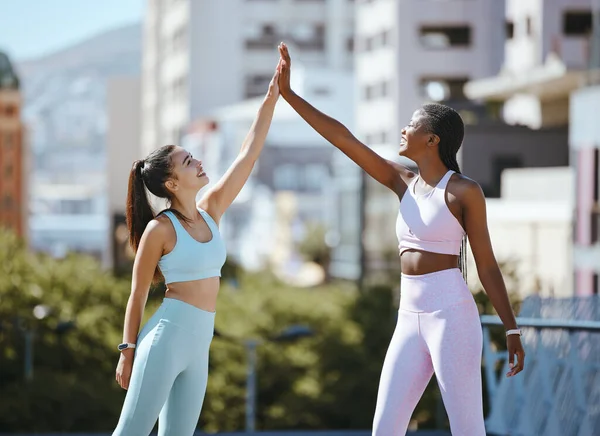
[(446, 123)]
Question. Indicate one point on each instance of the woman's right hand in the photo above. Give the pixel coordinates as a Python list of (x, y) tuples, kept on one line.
[(123, 372), (285, 66)]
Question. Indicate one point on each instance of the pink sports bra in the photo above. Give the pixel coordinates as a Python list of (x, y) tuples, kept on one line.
[(425, 222)]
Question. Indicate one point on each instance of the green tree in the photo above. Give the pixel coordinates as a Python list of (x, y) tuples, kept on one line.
[(74, 356), (313, 246), (326, 381)]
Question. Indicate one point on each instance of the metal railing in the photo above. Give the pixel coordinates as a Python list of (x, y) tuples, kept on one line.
[(558, 392), (259, 433)]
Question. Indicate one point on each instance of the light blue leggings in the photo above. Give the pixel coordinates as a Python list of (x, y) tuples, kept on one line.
[(170, 371)]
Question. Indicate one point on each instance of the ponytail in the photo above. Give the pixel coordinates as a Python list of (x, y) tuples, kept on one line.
[(138, 210)]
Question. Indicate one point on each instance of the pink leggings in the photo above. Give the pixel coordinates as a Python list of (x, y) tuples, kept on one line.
[(439, 331)]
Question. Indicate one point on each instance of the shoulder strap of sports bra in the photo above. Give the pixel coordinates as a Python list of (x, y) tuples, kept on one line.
[(209, 220), (444, 182), (176, 224)]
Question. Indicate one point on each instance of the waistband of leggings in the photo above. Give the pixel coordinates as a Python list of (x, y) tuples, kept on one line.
[(185, 315)]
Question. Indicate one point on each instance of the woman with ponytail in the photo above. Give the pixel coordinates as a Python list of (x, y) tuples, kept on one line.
[(438, 329), (164, 367)]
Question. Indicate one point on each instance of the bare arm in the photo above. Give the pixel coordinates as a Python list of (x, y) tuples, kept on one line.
[(475, 222), (219, 197), (337, 134), (147, 257)]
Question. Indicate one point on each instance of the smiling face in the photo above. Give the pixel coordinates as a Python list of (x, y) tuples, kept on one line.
[(188, 171), (416, 138)]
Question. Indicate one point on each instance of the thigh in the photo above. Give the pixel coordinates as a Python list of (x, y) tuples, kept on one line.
[(154, 371), (406, 372), (454, 338), (180, 414)]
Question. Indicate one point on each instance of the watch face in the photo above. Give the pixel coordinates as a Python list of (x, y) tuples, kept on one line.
[(122, 347)]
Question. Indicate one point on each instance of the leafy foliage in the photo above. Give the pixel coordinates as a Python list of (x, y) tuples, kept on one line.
[(326, 381)]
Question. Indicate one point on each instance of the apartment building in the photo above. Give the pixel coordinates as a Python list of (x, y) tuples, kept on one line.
[(203, 54), (408, 53)]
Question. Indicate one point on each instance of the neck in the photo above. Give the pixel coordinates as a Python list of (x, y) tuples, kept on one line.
[(186, 206), (431, 170)]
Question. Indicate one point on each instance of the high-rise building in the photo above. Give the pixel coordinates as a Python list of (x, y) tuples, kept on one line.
[(122, 149), (410, 52), (407, 53), (548, 47), (13, 198), (551, 54), (203, 54)]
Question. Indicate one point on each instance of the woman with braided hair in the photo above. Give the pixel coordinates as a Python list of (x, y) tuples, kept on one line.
[(438, 328)]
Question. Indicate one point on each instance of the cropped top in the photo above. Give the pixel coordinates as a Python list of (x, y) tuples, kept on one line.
[(425, 223), (192, 260)]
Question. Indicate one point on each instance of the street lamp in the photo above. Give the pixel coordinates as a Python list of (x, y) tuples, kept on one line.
[(290, 334), (39, 312)]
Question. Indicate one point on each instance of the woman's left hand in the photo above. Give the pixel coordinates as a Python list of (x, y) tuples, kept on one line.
[(514, 346)]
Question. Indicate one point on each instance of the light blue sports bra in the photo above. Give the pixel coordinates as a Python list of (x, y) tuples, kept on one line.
[(192, 260)]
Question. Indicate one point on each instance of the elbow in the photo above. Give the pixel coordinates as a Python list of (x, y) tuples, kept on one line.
[(139, 294), (488, 273)]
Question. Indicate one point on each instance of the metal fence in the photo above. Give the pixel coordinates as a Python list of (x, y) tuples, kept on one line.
[(558, 392), (259, 433)]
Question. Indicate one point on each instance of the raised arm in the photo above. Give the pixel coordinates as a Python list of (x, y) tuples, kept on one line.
[(382, 170), (221, 195), (146, 259)]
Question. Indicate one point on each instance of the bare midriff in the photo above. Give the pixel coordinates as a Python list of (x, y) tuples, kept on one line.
[(199, 293), (417, 262)]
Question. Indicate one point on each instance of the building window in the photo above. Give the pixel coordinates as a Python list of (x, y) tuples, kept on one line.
[(443, 88), (510, 29), (286, 177), (443, 37), (315, 176), (577, 23), (378, 138), (178, 89), (321, 92), (366, 44), (76, 207), (350, 44), (257, 85), (310, 37), (386, 38), (597, 175), (529, 26), (384, 89), (499, 164), (374, 42), (7, 202), (265, 38), (178, 42), (377, 90)]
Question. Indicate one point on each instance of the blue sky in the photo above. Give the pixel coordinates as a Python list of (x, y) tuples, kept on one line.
[(32, 28)]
